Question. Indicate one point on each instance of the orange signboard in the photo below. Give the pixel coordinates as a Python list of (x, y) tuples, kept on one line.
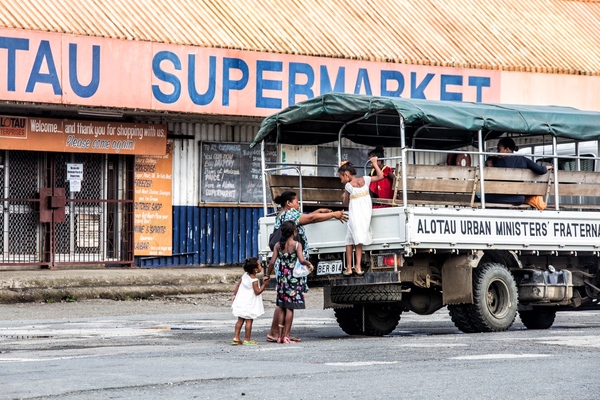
[(67, 69), (153, 218), (73, 136)]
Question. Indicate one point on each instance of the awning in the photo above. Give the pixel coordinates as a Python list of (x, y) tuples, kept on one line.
[(372, 120)]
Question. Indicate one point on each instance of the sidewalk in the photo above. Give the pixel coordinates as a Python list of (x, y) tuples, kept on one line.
[(113, 283)]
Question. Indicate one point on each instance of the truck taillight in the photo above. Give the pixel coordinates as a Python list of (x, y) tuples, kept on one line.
[(389, 260)]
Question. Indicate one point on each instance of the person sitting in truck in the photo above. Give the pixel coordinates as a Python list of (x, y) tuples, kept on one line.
[(384, 189), (290, 211), (507, 146)]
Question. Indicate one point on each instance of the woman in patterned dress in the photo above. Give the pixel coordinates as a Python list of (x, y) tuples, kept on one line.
[(290, 212), (290, 289)]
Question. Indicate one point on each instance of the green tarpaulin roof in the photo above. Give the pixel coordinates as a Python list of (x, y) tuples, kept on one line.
[(428, 123)]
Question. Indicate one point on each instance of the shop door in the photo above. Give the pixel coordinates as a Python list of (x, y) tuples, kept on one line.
[(51, 220), (98, 223)]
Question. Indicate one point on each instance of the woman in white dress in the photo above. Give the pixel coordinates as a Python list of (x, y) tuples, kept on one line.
[(358, 199)]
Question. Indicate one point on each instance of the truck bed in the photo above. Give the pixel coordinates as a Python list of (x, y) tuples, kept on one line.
[(459, 229)]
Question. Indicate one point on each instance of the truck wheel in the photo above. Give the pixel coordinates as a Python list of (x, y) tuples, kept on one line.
[(538, 318), (381, 319), (365, 294), (369, 319), (495, 298), (460, 316), (346, 319)]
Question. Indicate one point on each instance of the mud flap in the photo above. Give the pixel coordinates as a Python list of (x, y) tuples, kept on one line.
[(457, 278)]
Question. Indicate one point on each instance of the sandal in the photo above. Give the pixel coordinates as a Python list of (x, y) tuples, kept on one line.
[(361, 273), (249, 342), (236, 342), (295, 339), (347, 273), (271, 340)]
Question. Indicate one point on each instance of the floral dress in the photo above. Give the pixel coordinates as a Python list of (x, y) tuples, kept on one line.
[(290, 290), (292, 215)]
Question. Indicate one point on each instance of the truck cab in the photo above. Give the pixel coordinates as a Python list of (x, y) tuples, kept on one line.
[(439, 242)]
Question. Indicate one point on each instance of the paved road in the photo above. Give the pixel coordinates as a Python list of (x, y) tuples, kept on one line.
[(180, 349)]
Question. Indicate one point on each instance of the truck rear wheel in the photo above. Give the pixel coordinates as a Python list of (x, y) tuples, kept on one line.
[(495, 298), (460, 315), (538, 318), (376, 319), (347, 320)]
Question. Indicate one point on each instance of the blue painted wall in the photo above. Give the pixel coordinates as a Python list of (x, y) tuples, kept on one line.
[(210, 236)]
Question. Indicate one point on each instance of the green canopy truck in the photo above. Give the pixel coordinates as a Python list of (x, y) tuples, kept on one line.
[(439, 243)]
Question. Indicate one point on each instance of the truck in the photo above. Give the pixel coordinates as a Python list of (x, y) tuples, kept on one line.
[(438, 243)]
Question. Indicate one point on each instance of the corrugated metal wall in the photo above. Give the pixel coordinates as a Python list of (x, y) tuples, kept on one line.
[(206, 235), (210, 236)]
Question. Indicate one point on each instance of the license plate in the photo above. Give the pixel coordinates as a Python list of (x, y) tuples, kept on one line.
[(329, 267)]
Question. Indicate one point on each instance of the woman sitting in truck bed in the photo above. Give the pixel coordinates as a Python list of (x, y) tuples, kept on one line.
[(507, 146)]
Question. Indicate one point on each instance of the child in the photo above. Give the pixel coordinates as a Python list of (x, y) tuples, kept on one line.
[(357, 197), (247, 300), (290, 290)]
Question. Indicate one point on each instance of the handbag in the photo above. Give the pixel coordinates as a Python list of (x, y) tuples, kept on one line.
[(276, 237), (300, 270)]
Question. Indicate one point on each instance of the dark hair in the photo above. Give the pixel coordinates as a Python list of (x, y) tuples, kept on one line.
[(287, 229), (284, 198), (250, 264), (376, 152), (347, 167), (492, 159), (508, 143)]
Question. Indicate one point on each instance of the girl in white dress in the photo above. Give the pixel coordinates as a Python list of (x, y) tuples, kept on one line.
[(247, 300), (358, 199)]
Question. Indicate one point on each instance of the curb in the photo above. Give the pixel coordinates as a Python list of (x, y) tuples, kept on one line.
[(59, 286)]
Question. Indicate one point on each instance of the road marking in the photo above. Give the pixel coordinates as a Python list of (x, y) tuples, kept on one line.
[(7, 360), (576, 341), (426, 345), (498, 356), (360, 363)]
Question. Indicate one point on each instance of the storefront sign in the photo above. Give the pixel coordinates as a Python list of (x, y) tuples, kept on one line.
[(77, 70), (152, 205), (74, 136)]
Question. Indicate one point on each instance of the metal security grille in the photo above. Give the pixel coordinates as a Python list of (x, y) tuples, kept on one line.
[(21, 240), (51, 221)]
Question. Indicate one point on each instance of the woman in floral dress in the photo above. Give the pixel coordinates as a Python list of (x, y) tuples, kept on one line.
[(290, 212)]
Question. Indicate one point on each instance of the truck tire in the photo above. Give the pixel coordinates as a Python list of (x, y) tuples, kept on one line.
[(346, 319), (381, 319), (366, 294), (376, 319), (495, 298), (460, 315), (538, 318)]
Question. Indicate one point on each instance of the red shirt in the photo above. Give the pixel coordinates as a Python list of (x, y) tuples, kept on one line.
[(383, 189)]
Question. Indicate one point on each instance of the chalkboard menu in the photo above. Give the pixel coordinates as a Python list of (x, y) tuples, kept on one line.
[(328, 155), (231, 172)]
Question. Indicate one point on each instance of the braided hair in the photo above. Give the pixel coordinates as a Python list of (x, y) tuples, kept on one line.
[(287, 230)]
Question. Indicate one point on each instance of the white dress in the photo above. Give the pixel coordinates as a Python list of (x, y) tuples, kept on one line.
[(247, 304), (359, 214)]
